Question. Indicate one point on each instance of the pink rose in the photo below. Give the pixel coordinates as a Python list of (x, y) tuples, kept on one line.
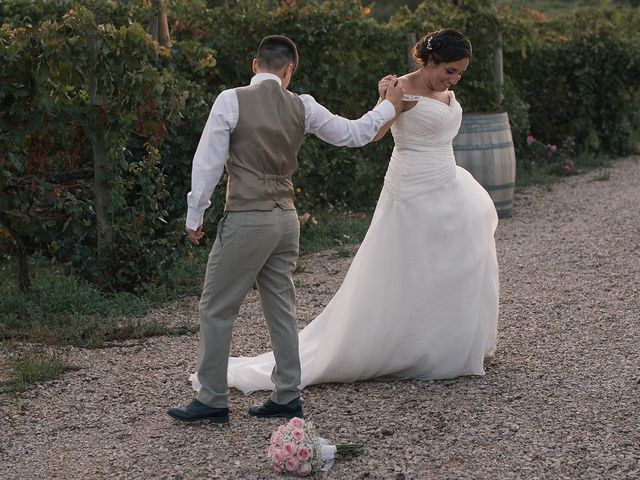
[(304, 469), (549, 154), (530, 139), (289, 449), (277, 455), (277, 468), (304, 453), (554, 148), (296, 422), (277, 438), (282, 429), (297, 434), (292, 464)]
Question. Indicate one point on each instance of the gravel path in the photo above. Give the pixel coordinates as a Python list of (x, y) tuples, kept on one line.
[(561, 399)]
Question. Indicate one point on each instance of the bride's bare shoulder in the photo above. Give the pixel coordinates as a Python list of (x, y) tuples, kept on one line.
[(406, 81)]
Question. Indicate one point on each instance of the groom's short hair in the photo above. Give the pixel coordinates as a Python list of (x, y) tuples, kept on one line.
[(276, 52)]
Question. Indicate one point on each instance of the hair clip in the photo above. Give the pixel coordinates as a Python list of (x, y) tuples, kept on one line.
[(429, 47)]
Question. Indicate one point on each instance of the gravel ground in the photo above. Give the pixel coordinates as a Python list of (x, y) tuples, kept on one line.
[(561, 399)]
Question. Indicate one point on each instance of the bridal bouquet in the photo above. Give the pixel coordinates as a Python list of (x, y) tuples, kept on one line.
[(296, 449)]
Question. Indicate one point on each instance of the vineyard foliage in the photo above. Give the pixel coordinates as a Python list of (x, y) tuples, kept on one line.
[(73, 72)]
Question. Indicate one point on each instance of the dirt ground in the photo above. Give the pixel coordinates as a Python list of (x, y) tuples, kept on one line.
[(561, 400)]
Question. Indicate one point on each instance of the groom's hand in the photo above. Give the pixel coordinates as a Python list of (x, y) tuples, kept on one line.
[(383, 84), (195, 235), (395, 91)]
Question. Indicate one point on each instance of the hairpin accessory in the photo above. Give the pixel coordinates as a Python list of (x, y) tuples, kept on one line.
[(429, 47)]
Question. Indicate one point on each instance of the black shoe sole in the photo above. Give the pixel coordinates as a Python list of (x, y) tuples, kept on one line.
[(218, 420), (287, 415)]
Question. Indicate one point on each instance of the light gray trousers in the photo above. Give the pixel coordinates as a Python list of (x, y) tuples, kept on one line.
[(260, 246)]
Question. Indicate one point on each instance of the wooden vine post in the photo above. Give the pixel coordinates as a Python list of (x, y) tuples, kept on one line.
[(411, 42), (24, 280), (101, 168), (498, 70), (159, 26)]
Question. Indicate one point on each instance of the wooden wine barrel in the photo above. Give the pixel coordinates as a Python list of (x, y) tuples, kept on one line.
[(484, 147)]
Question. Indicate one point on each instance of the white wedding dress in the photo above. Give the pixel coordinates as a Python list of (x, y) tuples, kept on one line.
[(420, 299)]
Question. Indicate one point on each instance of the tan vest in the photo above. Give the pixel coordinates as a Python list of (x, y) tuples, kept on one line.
[(263, 150)]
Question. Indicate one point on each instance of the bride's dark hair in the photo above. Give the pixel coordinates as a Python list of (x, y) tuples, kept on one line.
[(446, 45)]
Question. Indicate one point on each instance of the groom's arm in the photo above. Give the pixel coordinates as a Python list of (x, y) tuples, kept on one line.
[(340, 131), (209, 159)]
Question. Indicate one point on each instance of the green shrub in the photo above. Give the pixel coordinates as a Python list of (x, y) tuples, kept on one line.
[(19, 13), (48, 120), (571, 78), (581, 80)]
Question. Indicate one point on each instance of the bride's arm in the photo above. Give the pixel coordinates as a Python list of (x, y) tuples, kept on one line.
[(382, 89), (384, 129)]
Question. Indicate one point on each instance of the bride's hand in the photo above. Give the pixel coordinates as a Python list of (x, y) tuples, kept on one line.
[(383, 84)]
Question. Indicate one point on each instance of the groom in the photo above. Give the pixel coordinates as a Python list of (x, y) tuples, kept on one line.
[(257, 131)]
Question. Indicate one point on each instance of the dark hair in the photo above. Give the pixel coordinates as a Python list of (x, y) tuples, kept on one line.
[(276, 52), (446, 45)]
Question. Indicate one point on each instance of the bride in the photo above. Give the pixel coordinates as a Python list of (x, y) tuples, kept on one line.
[(420, 299)]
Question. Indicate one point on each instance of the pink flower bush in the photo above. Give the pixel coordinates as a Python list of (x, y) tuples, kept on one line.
[(550, 156)]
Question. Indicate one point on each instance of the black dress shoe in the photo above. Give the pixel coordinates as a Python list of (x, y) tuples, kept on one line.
[(273, 409), (197, 411)]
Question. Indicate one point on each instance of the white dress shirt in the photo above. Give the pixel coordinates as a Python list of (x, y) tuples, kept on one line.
[(213, 148)]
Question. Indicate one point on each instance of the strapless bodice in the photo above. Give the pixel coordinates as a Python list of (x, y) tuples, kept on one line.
[(422, 158), (429, 123)]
